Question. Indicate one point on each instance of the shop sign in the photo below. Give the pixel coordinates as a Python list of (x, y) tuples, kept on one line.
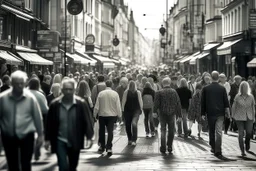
[(48, 41), (90, 39), (252, 19)]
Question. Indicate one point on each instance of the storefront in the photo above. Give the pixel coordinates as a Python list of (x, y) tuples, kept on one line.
[(240, 51), (9, 62)]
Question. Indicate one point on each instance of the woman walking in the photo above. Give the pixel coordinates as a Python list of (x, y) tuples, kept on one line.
[(55, 92), (132, 107), (194, 112), (83, 91), (243, 112), (148, 96)]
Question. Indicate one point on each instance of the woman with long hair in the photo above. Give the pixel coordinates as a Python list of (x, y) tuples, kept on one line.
[(243, 112), (83, 91), (148, 96), (54, 93), (132, 107), (56, 79), (206, 79)]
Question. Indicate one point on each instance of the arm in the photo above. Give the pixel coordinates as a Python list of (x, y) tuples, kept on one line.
[(234, 107), (253, 108), (203, 103), (140, 100), (118, 106), (178, 105), (94, 94), (88, 120), (156, 102), (96, 107), (37, 117), (90, 102), (124, 99)]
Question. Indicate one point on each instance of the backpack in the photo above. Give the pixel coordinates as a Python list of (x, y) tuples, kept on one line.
[(147, 101)]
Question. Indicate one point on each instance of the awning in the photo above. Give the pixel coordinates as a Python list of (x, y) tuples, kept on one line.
[(10, 59), (103, 59), (15, 11), (124, 63), (108, 65), (74, 57), (35, 59), (25, 49), (210, 46), (85, 56), (199, 56), (125, 59), (252, 63), (116, 61), (78, 59), (180, 59), (225, 48), (188, 58)]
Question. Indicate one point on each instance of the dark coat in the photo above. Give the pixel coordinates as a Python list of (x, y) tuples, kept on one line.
[(83, 126)]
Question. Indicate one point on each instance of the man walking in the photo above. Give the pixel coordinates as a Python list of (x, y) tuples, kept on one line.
[(215, 105), (168, 103), (69, 120), (108, 108), (46, 85), (20, 118)]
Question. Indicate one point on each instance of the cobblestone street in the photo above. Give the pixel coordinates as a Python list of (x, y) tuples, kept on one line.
[(190, 154)]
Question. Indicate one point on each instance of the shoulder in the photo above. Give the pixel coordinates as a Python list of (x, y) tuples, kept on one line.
[(79, 99), (5, 93), (251, 96)]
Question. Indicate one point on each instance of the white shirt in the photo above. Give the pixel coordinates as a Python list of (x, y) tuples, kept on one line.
[(108, 104), (227, 87)]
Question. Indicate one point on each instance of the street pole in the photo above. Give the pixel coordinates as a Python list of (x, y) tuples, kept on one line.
[(167, 29), (65, 43)]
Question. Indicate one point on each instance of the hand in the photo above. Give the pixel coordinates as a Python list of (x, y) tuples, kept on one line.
[(89, 144), (47, 145), (204, 118), (155, 115), (40, 140)]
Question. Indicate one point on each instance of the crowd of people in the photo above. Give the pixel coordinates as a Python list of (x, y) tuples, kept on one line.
[(63, 110)]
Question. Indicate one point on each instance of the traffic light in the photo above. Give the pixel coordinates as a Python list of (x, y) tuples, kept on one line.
[(75, 7), (162, 30)]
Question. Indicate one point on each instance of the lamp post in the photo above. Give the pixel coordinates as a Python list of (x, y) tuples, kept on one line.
[(65, 42)]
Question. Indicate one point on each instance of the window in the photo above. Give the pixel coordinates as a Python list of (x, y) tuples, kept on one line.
[(97, 10), (1, 27)]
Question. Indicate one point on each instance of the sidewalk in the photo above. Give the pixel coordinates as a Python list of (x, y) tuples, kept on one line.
[(190, 154)]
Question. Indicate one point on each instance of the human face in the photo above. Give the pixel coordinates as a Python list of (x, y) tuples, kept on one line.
[(207, 79), (18, 85), (222, 79), (238, 81), (68, 90), (244, 89)]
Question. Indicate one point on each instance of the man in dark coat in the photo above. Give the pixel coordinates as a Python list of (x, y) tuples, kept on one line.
[(69, 120)]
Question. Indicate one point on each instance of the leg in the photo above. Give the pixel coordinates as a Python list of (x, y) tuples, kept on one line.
[(241, 127), (110, 129), (62, 153), (151, 121), (146, 119), (218, 134), (163, 124), (128, 125), (190, 124), (184, 120), (227, 124), (171, 130), (73, 157), (248, 129), (179, 125), (211, 123), (26, 151), (11, 149), (135, 120), (102, 132)]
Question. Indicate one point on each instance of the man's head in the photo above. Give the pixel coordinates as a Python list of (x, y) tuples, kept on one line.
[(166, 82), (174, 80), (215, 76), (139, 77), (6, 80), (18, 81), (192, 78), (68, 88), (124, 82), (222, 78), (238, 79), (109, 83), (47, 79), (101, 78)]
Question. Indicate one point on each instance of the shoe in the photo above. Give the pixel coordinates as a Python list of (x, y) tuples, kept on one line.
[(129, 142), (101, 150), (109, 151), (147, 135), (247, 147), (134, 144), (199, 136), (153, 134), (212, 150), (185, 136), (179, 135), (243, 154), (163, 151), (170, 149), (218, 155)]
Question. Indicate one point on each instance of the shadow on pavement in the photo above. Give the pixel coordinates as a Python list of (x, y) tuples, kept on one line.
[(193, 142), (50, 168), (105, 161)]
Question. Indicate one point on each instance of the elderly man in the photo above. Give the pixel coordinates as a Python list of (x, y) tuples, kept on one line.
[(214, 104), (20, 118), (168, 103), (69, 120)]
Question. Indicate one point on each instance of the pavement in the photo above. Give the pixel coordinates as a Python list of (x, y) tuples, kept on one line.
[(192, 154)]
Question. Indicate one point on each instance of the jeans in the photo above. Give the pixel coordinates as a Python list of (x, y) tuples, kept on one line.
[(107, 122), (67, 157), (227, 124), (148, 120), (215, 133), (247, 126), (167, 121), (184, 122), (131, 125), (19, 152)]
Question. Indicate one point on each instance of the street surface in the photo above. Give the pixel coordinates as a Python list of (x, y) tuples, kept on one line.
[(191, 154)]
